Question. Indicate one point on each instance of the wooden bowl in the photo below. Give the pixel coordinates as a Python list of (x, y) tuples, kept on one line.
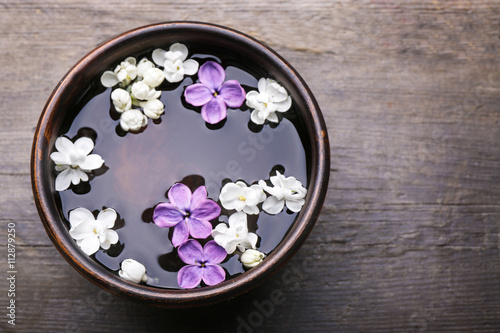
[(107, 55)]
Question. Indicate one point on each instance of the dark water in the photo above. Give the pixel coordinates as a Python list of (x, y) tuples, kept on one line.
[(141, 167)]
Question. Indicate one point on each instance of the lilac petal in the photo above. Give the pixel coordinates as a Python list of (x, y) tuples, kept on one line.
[(212, 75), (214, 111), (63, 180), (167, 215), (180, 196), (213, 274), (198, 94), (191, 252), (206, 210), (199, 195), (199, 228), (189, 276), (181, 233), (213, 253), (232, 93)]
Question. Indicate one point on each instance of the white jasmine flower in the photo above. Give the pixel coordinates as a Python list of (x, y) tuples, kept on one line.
[(236, 236), (270, 98), (153, 77), (121, 100), (240, 197), (90, 233), (174, 62), (251, 258), (142, 91), (124, 73), (133, 271), (142, 66), (133, 120), (286, 191), (73, 160), (153, 108)]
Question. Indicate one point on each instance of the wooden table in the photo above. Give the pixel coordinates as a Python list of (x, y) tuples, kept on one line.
[(408, 239)]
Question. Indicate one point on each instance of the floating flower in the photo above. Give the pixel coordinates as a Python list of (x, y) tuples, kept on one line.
[(73, 160), (213, 94), (141, 90), (251, 258), (124, 73), (153, 108), (153, 77), (121, 100), (174, 62), (143, 65), (202, 264), (188, 212), (133, 120), (240, 197), (133, 271), (286, 191), (91, 233), (270, 98), (236, 236)]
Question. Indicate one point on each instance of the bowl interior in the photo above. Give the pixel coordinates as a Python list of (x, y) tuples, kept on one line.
[(74, 86)]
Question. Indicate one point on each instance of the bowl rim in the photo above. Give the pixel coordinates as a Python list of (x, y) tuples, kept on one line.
[(293, 240)]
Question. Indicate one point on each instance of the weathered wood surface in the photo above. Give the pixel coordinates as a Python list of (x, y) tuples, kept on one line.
[(408, 240)]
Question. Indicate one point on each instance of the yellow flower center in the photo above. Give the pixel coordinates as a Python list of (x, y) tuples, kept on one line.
[(242, 198)]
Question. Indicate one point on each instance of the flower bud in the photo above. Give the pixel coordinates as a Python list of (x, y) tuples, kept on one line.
[(133, 120), (143, 65), (121, 100), (153, 77), (251, 258), (141, 90), (133, 271), (153, 108)]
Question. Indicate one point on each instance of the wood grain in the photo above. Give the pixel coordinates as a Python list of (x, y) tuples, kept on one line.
[(408, 240)]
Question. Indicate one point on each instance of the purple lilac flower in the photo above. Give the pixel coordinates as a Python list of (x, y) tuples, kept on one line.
[(188, 212), (213, 94), (202, 264)]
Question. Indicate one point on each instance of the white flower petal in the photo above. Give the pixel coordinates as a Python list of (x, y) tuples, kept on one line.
[(131, 60), (107, 217), (262, 84), (181, 49), (63, 180), (90, 245), (285, 105), (64, 145), (77, 175), (92, 162), (256, 117), (84, 145), (158, 56), (273, 205), (273, 117), (295, 205), (83, 230), (190, 67), (60, 158), (80, 215), (109, 79)]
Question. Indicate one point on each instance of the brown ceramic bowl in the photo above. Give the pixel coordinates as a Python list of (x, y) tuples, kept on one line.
[(107, 55)]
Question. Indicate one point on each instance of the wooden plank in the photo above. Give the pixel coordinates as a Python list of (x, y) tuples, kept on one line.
[(408, 240)]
